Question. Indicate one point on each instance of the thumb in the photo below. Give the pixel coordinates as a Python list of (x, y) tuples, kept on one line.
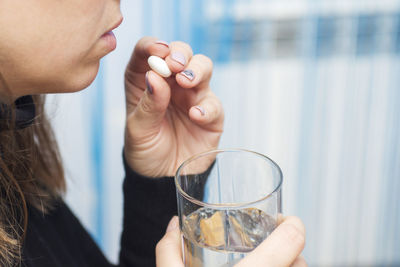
[(281, 248), (152, 106), (168, 249)]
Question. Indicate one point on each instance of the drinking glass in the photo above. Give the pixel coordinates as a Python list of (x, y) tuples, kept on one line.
[(228, 203)]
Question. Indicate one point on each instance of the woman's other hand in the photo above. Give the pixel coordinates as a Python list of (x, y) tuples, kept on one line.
[(281, 249), (169, 119), (169, 249)]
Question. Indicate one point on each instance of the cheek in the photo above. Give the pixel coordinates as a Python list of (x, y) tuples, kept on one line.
[(71, 58), (59, 70), (54, 63), (63, 56)]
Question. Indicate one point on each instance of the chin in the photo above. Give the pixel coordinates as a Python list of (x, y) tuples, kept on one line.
[(81, 80)]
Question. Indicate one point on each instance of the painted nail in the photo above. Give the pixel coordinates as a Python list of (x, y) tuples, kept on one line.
[(201, 109), (179, 57), (161, 42), (188, 74), (148, 85)]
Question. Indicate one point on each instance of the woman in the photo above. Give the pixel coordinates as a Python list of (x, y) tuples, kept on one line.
[(49, 46)]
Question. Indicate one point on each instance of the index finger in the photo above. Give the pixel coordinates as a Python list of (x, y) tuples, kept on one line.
[(146, 47), (281, 248), (181, 54)]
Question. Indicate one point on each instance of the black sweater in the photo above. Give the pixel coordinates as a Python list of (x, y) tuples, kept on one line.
[(58, 238)]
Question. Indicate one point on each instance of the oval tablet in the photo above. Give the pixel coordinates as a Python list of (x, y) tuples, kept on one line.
[(160, 66)]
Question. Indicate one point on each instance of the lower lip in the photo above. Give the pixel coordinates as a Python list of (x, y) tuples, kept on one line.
[(110, 39)]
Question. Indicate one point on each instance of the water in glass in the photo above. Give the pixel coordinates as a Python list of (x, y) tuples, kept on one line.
[(220, 238)]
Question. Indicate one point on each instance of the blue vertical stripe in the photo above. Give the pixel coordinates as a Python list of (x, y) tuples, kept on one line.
[(347, 149), (364, 22), (226, 33), (396, 35), (306, 190), (176, 34), (198, 31), (246, 41), (97, 138)]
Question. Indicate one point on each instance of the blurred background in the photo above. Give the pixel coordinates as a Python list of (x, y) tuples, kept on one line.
[(315, 85)]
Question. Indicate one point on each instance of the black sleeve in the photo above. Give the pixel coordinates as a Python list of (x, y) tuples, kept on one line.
[(149, 204)]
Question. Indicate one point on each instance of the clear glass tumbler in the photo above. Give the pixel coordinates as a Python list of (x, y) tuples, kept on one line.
[(228, 203)]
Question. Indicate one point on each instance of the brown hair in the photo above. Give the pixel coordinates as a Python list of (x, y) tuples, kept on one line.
[(31, 175)]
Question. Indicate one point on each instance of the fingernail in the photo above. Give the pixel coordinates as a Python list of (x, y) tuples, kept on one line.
[(188, 74), (148, 85), (179, 57), (173, 224), (201, 109), (161, 42)]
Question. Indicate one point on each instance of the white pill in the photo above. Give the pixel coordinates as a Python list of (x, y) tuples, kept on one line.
[(160, 66)]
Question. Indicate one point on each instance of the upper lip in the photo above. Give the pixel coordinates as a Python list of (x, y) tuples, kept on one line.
[(116, 24)]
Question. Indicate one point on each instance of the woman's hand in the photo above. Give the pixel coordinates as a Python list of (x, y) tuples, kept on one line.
[(169, 119), (281, 249)]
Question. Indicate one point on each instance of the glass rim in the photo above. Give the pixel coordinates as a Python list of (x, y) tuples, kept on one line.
[(226, 205)]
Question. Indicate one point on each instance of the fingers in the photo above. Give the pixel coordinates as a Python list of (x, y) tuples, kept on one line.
[(191, 70), (146, 47), (208, 112), (197, 72), (168, 250), (205, 107), (180, 55), (281, 248)]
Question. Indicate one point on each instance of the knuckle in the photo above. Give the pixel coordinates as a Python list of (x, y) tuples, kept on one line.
[(142, 41), (206, 60), (182, 45), (216, 106), (142, 47), (203, 64), (212, 112), (215, 109), (197, 65)]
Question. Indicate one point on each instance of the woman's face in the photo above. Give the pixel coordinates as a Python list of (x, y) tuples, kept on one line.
[(53, 46)]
